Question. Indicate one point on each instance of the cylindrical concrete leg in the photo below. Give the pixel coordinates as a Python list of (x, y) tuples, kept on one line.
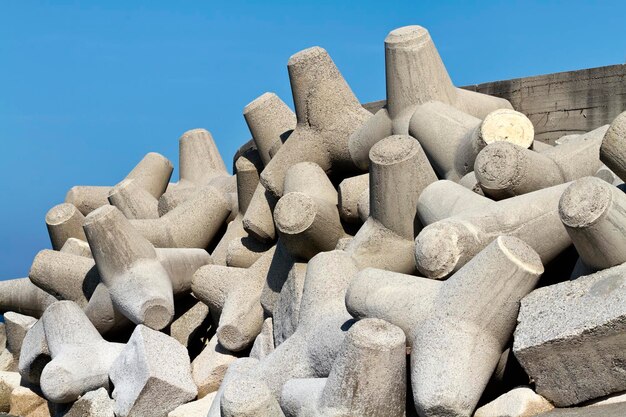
[(373, 351), (88, 198), (199, 158), (375, 129), (307, 225), (350, 189), (270, 122), (505, 170), (473, 319), (258, 220), (133, 201), (249, 397), (63, 222), (443, 199), (248, 167), (139, 285), (22, 296), (152, 174), (76, 247), (613, 149), (399, 173), (310, 178), (594, 214)]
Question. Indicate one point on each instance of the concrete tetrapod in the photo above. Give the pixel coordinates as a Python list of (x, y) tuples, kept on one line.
[(323, 321), (152, 375), (445, 246), (504, 169), (209, 367), (234, 295), (451, 138), (414, 75), (152, 174), (368, 378), (472, 320), (249, 397), (594, 214), (139, 285), (399, 171), (192, 224), (570, 337), (22, 296), (64, 221), (613, 148), (327, 113), (350, 191), (270, 122), (81, 358), (133, 201), (306, 216), (35, 354)]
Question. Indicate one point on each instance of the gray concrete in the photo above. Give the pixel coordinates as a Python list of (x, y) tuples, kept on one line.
[(472, 320), (504, 170), (444, 198), (249, 397), (399, 171), (270, 122), (81, 358), (306, 216), (35, 354), (64, 221), (415, 75), (613, 149), (611, 410), (327, 113), (16, 326), (22, 296), (93, 404), (519, 402), (443, 247), (133, 201), (350, 191), (209, 367), (372, 352), (571, 340), (152, 375), (594, 214)]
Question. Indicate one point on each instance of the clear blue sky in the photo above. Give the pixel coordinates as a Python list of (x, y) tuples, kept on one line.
[(87, 88)]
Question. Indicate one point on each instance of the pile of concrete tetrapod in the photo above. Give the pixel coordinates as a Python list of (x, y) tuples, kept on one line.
[(431, 259)]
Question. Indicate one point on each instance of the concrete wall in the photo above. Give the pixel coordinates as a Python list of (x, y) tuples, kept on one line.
[(561, 103)]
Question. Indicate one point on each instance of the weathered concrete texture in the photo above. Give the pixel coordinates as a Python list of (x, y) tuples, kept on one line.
[(81, 358), (152, 375), (190, 324), (234, 296), (350, 190), (372, 352), (270, 122), (444, 198), (236, 371), (306, 216), (133, 201), (610, 410), (63, 222), (443, 247), (264, 342), (77, 247), (16, 325), (286, 314), (198, 408), (8, 382), (452, 138), (27, 403), (519, 402), (567, 102), (594, 214), (327, 113), (472, 320), (504, 170), (571, 337), (399, 171), (613, 149), (209, 367), (415, 75), (152, 174), (93, 404), (35, 354), (22, 296), (249, 397)]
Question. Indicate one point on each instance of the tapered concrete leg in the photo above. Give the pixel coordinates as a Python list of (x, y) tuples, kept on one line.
[(63, 222), (403, 300), (443, 199), (199, 158), (613, 149), (24, 297), (327, 113), (65, 276), (139, 285), (133, 201), (209, 367), (192, 224), (258, 220), (443, 247), (35, 354), (350, 191), (237, 370), (76, 247), (249, 397), (88, 198), (270, 122), (80, 357), (594, 214), (473, 318)]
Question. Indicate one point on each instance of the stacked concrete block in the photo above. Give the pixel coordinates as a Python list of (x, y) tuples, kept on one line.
[(354, 263)]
